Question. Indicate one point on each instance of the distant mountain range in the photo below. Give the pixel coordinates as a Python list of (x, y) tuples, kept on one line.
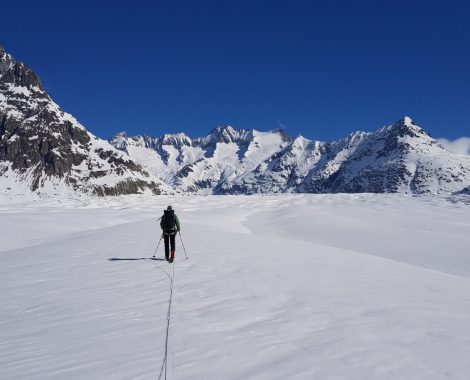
[(401, 157), (45, 150)]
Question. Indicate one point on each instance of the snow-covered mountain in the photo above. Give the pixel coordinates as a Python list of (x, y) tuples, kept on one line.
[(202, 165), (44, 149), (401, 157)]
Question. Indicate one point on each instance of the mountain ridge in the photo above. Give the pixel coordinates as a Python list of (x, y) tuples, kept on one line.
[(46, 150), (400, 157)]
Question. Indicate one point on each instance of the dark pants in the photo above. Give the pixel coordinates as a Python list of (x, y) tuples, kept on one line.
[(169, 240)]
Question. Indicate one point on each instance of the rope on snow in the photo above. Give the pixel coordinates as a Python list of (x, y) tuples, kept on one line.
[(163, 368)]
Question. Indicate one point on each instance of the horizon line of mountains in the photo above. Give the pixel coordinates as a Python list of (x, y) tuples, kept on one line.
[(45, 150)]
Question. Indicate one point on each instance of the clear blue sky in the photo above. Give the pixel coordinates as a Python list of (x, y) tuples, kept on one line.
[(319, 68)]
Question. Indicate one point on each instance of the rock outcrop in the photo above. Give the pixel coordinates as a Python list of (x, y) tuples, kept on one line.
[(43, 147), (401, 157)]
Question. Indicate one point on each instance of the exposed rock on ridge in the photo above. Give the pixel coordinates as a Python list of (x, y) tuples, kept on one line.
[(401, 157), (41, 146)]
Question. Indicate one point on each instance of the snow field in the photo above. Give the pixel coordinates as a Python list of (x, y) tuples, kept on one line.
[(293, 286)]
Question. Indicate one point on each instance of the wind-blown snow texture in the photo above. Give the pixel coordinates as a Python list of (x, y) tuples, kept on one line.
[(401, 158), (294, 286)]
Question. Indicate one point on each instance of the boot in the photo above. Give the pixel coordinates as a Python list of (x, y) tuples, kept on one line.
[(172, 257)]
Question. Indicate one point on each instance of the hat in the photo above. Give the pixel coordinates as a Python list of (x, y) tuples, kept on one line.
[(169, 208)]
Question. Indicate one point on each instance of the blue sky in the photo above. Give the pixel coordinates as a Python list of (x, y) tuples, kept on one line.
[(319, 68)]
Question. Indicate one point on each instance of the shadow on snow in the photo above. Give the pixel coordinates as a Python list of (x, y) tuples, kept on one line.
[(135, 258)]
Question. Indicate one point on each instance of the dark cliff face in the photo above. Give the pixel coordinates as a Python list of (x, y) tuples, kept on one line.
[(17, 73), (38, 137), (33, 131)]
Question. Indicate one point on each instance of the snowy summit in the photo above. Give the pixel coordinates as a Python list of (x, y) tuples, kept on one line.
[(44, 150)]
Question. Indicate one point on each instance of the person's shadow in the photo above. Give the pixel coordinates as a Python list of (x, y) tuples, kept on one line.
[(136, 258)]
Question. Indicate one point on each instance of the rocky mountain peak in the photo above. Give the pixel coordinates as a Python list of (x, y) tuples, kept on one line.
[(300, 142), (407, 127), (406, 120), (224, 129), (283, 133), (227, 134), (401, 157), (43, 146), (5, 60), (121, 134), (175, 139), (15, 73), (119, 141)]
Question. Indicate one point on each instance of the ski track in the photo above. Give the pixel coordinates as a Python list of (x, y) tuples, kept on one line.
[(294, 286)]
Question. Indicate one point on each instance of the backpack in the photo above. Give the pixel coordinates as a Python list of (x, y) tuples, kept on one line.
[(168, 220)]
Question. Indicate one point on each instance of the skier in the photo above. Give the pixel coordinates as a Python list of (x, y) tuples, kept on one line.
[(170, 226)]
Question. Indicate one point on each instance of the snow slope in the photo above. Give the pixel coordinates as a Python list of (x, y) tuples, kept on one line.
[(294, 286), (204, 164), (401, 157), (46, 151)]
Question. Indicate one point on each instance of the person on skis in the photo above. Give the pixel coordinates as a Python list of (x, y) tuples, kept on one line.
[(170, 226)]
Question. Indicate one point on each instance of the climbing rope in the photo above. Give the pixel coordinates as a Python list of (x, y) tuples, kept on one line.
[(163, 368)]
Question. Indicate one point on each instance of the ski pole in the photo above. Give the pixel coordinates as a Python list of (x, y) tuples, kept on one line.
[(158, 245), (184, 249)]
